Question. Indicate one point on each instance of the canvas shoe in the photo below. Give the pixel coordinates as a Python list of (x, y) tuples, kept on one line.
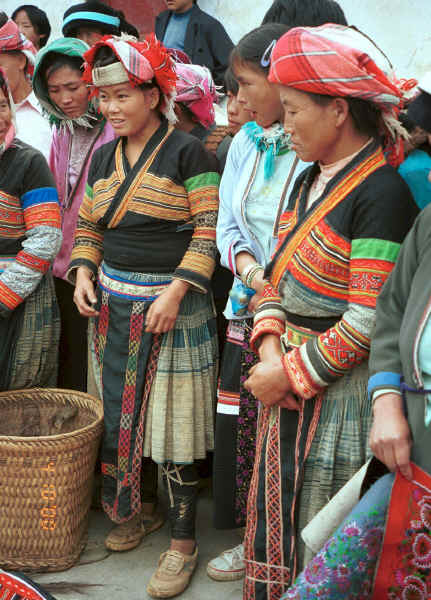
[(228, 566), (130, 534), (173, 574)]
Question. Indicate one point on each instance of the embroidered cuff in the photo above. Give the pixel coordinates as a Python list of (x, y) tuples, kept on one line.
[(300, 379), (267, 326)]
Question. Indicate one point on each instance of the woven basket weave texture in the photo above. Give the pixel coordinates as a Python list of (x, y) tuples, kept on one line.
[(49, 440)]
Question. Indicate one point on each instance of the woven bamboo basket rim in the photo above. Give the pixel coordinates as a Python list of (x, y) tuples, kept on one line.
[(49, 439)]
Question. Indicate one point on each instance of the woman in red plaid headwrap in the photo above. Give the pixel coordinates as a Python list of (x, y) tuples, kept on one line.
[(337, 242)]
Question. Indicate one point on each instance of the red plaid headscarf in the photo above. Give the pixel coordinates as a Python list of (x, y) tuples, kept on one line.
[(143, 61), (12, 39), (338, 61)]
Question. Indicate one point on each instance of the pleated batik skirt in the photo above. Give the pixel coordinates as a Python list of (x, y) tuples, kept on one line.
[(158, 391), (29, 341)]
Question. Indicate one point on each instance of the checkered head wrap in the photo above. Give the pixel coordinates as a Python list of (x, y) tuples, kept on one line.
[(10, 134), (12, 39), (339, 61), (196, 88), (141, 62)]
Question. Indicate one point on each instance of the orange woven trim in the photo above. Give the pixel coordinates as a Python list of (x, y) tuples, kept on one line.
[(47, 215), (300, 379), (266, 326), (341, 191), (8, 297), (131, 191)]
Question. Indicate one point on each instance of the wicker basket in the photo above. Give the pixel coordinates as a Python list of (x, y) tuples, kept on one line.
[(48, 447)]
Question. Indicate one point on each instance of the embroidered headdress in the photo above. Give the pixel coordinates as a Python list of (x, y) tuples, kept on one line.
[(12, 39), (139, 62), (340, 61), (196, 88), (10, 134)]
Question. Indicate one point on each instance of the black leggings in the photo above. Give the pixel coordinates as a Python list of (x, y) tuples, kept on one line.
[(181, 486)]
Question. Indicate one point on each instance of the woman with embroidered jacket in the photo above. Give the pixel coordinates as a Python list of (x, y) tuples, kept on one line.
[(381, 549), (338, 240), (259, 172), (30, 237), (146, 232), (78, 130)]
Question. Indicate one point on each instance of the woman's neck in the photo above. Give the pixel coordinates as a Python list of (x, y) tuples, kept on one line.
[(349, 142), (22, 90), (137, 142)]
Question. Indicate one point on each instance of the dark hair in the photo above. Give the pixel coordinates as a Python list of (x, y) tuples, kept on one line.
[(305, 13), (408, 123), (366, 115), (230, 82), (125, 26), (38, 19), (251, 47), (55, 61), (106, 56), (3, 18)]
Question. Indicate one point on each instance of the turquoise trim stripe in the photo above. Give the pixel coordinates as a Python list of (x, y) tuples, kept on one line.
[(92, 16), (383, 379)]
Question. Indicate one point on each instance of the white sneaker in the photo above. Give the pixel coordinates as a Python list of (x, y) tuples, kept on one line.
[(228, 566)]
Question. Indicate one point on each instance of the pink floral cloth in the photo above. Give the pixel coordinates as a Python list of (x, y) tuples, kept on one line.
[(196, 88)]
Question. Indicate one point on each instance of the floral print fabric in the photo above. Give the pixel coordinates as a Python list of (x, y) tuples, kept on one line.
[(346, 565), (404, 570)]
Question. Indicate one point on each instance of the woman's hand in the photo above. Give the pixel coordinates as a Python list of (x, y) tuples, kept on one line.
[(163, 312), (270, 385), (390, 439), (84, 296)]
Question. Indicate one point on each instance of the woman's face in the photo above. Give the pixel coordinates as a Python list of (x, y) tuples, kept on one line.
[(5, 116), (67, 90), (236, 114), (129, 109), (14, 67), (88, 35), (27, 28), (256, 95), (313, 128)]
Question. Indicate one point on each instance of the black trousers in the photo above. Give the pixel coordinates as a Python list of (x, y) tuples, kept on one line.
[(72, 367)]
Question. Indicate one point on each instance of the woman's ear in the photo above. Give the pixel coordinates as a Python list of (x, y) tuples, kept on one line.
[(22, 61), (155, 98), (341, 111)]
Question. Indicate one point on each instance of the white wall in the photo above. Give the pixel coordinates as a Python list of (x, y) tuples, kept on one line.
[(402, 28)]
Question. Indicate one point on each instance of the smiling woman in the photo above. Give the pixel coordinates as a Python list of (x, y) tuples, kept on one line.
[(146, 234)]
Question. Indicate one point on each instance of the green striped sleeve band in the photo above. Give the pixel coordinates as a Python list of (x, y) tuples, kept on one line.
[(202, 180), (372, 248)]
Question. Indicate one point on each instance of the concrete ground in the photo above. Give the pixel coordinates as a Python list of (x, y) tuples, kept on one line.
[(124, 576)]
